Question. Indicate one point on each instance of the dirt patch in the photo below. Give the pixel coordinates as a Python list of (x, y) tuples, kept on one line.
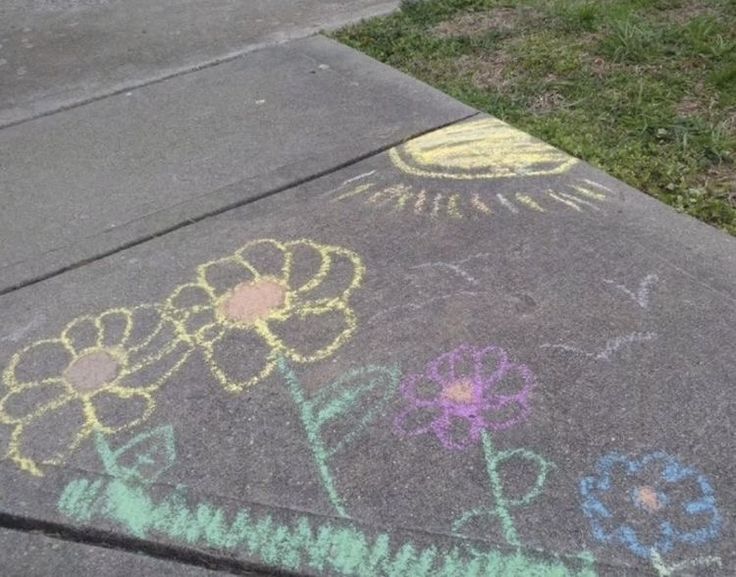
[(688, 11), (690, 106), (470, 24), (721, 180), (546, 102), (729, 123), (488, 72)]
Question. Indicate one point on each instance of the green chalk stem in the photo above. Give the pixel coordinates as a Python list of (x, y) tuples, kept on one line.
[(303, 544), (501, 505), (311, 427)]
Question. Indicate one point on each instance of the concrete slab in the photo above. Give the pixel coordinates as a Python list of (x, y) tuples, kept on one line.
[(34, 555), (57, 53), (471, 355), (89, 180)]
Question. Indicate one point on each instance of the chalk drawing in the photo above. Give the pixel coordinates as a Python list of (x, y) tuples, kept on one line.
[(299, 544), (248, 296), (613, 346), (491, 393), (352, 180), (337, 401), (479, 150), (453, 267), (651, 505), (461, 397), (643, 292), (501, 506), (419, 305), (100, 375), (409, 199), (665, 570)]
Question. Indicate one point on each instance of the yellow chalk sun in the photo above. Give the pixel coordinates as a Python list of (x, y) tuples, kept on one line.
[(485, 149)]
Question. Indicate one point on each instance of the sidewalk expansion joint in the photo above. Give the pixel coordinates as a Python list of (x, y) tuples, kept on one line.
[(124, 543), (223, 209)]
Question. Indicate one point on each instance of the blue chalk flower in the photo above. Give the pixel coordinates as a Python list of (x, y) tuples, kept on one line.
[(650, 504)]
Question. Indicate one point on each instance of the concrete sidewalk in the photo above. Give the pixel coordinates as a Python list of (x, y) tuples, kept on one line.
[(364, 331)]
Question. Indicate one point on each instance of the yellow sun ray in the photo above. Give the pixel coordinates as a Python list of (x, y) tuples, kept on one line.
[(569, 203), (528, 201)]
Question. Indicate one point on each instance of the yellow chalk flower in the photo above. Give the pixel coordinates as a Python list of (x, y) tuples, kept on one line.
[(269, 298), (98, 375)]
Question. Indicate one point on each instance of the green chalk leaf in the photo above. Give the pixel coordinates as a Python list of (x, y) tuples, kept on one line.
[(143, 459), (345, 407)]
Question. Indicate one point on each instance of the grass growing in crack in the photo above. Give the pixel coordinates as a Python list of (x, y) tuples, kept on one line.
[(644, 89)]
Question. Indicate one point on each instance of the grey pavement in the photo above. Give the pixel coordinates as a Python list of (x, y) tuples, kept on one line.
[(590, 319), (298, 314), (32, 555), (58, 53), (89, 180)]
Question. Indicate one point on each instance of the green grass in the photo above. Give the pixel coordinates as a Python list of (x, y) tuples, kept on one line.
[(644, 89)]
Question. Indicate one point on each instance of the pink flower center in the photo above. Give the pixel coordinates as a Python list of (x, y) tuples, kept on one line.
[(648, 499), (91, 371), (249, 302), (460, 392)]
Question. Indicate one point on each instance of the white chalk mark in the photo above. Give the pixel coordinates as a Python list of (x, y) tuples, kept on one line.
[(360, 189), (17, 335), (666, 571), (612, 346), (422, 304), (351, 180), (641, 296), (450, 266), (505, 202), (455, 267), (359, 177)]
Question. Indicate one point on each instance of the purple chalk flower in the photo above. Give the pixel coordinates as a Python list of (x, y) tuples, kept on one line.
[(465, 392)]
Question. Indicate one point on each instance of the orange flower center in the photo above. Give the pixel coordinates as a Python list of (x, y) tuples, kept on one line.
[(460, 392), (647, 498), (249, 302), (91, 371)]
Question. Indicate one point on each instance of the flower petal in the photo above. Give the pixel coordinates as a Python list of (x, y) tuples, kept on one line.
[(81, 334), (491, 364), (456, 432), (504, 414), (453, 366), (187, 299), (50, 438), (37, 362), (149, 373), (267, 257), (421, 390), (222, 275), (338, 274), (33, 400), (417, 420), (238, 358), (516, 383), (114, 326), (116, 409), (306, 335), (148, 348)]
